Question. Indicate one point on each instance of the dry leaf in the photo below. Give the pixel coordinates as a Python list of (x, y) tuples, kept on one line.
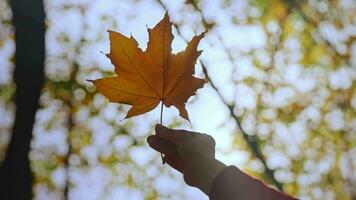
[(145, 78)]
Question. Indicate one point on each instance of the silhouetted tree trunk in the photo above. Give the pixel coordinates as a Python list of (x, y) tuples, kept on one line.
[(28, 21)]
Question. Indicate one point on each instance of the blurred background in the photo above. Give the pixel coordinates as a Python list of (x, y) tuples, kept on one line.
[(281, 101)]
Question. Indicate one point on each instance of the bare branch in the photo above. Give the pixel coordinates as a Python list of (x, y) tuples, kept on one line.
[(251, 140)]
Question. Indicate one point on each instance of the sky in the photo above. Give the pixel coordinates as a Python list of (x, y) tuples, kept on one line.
[(90, 20)]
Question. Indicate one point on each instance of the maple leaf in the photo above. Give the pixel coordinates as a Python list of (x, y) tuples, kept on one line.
[(145, 78)]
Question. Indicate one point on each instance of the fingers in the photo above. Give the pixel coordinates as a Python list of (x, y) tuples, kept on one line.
[(173, 136), (174, 162), (169, 149), (162, 145)]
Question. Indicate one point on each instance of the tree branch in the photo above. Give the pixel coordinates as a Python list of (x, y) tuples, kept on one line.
[(251, 140)]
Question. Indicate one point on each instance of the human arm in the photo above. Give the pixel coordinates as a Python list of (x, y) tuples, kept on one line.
[(193, 154)]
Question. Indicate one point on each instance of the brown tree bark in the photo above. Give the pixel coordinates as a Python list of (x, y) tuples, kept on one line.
[(28, 21)]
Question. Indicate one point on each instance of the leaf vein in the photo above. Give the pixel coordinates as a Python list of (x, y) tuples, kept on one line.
[(139, 71)]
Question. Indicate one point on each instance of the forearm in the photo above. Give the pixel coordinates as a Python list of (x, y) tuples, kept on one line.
[(233, 184)]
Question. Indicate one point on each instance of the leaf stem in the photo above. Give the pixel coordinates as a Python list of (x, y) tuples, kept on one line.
[(161, 119), (161, 113)]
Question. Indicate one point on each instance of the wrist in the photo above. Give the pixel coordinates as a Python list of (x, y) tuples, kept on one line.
[(207, 173)]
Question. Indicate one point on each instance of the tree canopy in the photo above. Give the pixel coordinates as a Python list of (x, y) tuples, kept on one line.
[(280, 102)]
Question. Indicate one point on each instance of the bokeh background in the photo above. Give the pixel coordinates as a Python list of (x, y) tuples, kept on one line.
[(280, 103)]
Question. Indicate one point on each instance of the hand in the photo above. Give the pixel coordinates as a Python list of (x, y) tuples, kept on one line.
[(191, 153)]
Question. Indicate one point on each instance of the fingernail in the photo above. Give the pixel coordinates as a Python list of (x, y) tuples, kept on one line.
[(159, 127)]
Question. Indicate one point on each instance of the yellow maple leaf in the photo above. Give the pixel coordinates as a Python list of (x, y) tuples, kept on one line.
[(145, 78)]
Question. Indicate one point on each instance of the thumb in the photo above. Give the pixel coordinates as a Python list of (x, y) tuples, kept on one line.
[(160, 127)]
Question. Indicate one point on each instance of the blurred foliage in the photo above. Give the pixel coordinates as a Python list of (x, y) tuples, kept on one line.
[(287, 67)]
